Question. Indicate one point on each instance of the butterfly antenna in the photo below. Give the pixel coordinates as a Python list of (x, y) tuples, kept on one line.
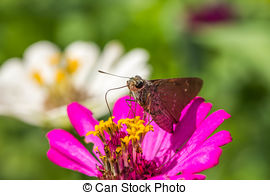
[(100, 71), (106, 99)]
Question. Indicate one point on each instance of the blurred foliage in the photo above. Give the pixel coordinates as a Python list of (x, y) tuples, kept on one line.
[(184, 38)]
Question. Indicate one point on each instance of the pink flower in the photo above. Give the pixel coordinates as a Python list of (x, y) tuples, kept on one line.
[(149, 154), (210, 14)]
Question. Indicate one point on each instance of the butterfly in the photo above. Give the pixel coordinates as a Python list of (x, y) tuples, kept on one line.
[(164, 99)]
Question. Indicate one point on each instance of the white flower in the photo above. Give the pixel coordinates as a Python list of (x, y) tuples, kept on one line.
[(37, 88)]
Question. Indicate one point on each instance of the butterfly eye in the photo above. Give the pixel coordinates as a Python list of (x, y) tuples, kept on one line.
[(139, 84)]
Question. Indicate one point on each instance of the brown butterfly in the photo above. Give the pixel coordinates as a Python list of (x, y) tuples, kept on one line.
[(164, 99)]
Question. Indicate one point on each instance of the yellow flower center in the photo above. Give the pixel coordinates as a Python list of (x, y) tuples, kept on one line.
[(60, 76), (37, 77), (134, 126), (123, 158), (72, 65), (62, 90)]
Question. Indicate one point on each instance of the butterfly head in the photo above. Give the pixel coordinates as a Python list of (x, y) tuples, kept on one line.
[(135, 83)]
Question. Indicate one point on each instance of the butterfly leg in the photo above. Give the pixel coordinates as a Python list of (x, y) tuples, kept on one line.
[(149, 108), (148, 115), (149, 121), (144, 115), (128, 101)]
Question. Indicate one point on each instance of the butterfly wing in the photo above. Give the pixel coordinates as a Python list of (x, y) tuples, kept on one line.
[(171, 96), (159, 113), (164, 120)]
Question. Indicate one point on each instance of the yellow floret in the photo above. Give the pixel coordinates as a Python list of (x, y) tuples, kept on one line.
[(72, 65), (118, 150), (60, 76), (37, 77), (135, 128)]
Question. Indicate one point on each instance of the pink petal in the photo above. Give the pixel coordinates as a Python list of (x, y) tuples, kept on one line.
[(219, 139), (202, 112), (185, 176), (188, 176), (83, 121), (123, 110), (211, 145), (207, 127), (156, 143), (190, 120), (205, 158), (81, 118), (63, 161), (160, 177), (197, 100), (68, 152), (161, 146), (202, 159)]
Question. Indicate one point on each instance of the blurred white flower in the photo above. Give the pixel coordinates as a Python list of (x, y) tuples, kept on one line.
[(37, 88)]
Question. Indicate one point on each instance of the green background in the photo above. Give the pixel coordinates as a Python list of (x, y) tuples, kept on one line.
[(231, 55)]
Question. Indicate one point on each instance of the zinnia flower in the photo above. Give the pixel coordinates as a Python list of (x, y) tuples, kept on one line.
[(38, 87), (127, 147), (211, 14)]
